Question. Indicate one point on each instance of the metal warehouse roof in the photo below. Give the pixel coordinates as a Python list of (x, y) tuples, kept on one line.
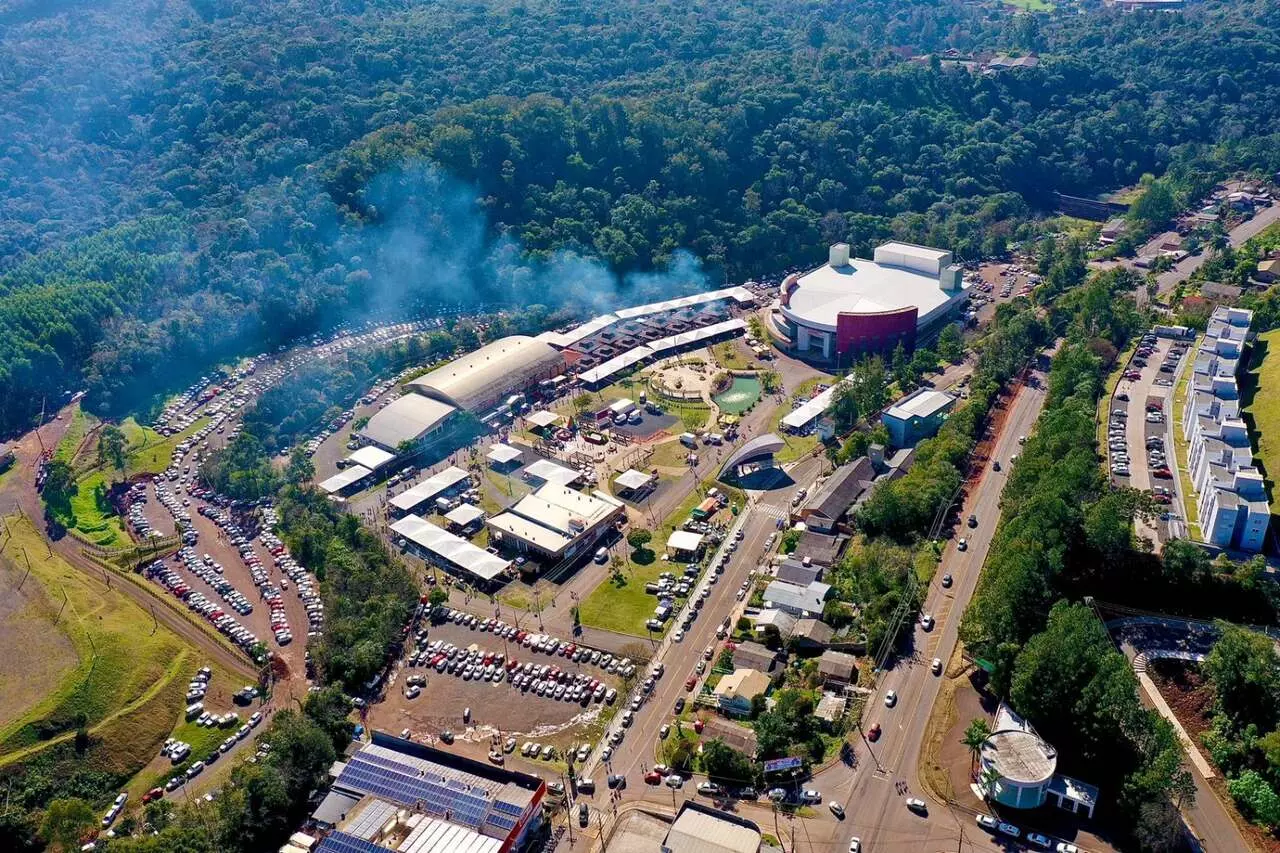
[(429, 488), (453, 549), (695, 831), (922, 404), (406, 419), (482, 378)]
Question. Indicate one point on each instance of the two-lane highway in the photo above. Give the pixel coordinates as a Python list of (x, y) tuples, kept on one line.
[(874, 793)]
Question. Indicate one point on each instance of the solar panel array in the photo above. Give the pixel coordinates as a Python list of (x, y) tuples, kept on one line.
[(341, 842), (425, 786)]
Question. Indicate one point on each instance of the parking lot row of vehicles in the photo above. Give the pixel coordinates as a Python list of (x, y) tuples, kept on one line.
[(1040, 842), (544, 643), (211, 572), (540, 679), (197, 601)]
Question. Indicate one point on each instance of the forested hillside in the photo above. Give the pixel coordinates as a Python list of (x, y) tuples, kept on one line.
[(172, 173)]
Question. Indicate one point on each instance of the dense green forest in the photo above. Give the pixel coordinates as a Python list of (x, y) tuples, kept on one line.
[(184, 180)]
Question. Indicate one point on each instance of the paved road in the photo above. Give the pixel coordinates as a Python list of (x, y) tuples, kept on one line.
[(874, 802), (1169, 279), (1142, 391), (871, 797)]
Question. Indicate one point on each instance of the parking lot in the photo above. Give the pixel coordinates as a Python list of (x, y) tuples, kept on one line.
[(511, 688), (1139, 431), (227, 577)]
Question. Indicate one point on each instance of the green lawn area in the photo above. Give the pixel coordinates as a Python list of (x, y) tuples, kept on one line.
[(626, 607), (81, 423), (1031, 5), (1183, 454), (93, 517), (1261, 398), (149, 451)]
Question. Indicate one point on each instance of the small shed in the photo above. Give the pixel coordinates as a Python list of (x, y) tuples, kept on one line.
[(838, 666)]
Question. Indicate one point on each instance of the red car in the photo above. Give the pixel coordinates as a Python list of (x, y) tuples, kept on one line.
[(652, 777), (1162, 499), (1162, 473), (873, 733), (153, 794), (690, 682)]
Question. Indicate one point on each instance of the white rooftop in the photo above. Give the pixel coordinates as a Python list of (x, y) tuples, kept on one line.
[(922, 404), (684, 540), (429, 488), (632, 479), (344, 478), (405, 419), (550, 472), (453, 549), (464, 514), (902, 276), (799, 417), (530, 531), (371, 457), (502, 454), (562, 509), (543, 418)]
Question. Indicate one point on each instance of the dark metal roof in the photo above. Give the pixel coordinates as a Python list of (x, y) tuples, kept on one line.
[(764, 445)]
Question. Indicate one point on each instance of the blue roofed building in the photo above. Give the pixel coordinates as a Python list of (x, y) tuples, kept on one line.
[(462, 804)]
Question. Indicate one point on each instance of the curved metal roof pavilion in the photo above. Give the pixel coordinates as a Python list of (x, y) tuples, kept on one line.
[(759, 447)]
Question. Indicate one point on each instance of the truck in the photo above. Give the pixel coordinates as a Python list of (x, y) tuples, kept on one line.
[(689, 440)]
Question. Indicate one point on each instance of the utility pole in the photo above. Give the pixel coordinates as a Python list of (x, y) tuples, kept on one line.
[(604, 846)]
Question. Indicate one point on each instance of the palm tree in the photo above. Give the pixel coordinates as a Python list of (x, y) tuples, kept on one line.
[(975, 735), (990, 777)]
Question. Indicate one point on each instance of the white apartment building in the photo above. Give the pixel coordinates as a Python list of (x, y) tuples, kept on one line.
[(1230, 500)]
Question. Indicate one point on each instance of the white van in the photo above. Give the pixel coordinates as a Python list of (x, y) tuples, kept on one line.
[(688, 439)]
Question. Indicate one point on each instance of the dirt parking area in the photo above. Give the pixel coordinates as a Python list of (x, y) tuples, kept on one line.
[(497, 709), (214, 542)]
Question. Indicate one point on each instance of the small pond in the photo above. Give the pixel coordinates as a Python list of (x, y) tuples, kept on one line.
[(740, 396)]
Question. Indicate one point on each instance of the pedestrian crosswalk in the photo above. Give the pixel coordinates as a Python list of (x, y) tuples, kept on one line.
[(770, 511)]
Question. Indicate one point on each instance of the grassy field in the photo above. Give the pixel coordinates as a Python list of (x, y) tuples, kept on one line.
[(81, 423), (1261, 398), (149, 452), (128, 671), (26, 623), (625, 607), (94, 519)]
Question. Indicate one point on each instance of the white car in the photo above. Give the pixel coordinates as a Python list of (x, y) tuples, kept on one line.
[(678, 635), (936, 666), (855, 845), (890, 699), (926, 621)]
